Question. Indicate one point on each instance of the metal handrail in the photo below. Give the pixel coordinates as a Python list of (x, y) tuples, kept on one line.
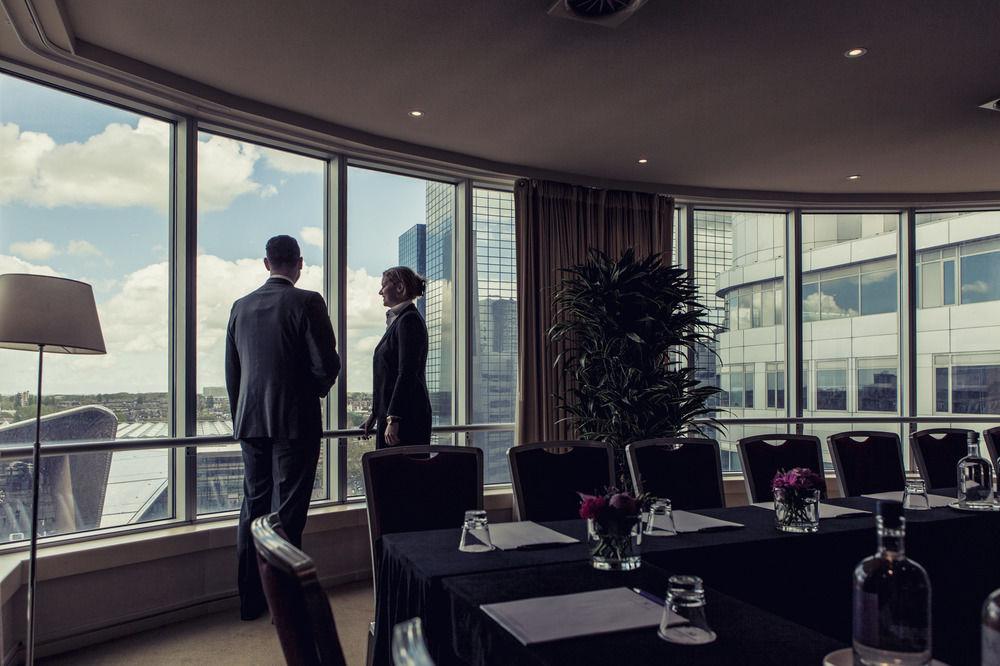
[(142, 444), (147, 443)]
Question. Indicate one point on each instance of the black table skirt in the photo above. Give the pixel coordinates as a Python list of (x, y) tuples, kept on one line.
[(960, 550), (746, 634)]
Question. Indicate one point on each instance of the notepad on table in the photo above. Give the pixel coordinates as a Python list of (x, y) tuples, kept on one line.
[(687, 522), (825, 510), (897, 496), (510, 536), (543, 619)]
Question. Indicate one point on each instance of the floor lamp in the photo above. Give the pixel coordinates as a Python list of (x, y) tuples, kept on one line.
[(58, 316)]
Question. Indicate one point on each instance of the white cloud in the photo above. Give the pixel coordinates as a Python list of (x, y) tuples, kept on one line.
[(290, 162), (36, 250), (828, 305), (365, 326), (268, 192), (312, 236), (82, 248), (225, 171), (9, 264), (121, 166), (135, 324)]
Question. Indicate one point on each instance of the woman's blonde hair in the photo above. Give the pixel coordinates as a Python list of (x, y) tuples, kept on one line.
[(413, 284)]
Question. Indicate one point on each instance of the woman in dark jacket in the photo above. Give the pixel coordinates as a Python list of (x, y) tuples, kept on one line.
[(401, 406)]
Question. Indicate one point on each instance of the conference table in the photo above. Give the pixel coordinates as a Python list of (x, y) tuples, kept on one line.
[(770, 594)]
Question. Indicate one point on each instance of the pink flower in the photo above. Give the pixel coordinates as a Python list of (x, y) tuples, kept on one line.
[(798, 478), (591, 506)]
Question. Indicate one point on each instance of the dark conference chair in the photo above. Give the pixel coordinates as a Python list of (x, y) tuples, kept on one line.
[(417, 488), (299, 607), (867, 462), (763, 455), (938, 451), (548, 475), (992, 437), (687, 471)]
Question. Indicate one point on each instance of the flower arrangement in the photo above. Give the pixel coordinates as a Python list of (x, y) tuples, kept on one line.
[(796, 499), (613, 528), (796, 479)]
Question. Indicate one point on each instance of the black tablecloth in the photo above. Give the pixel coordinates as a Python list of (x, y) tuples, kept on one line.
[(746, 635), (961, 552)]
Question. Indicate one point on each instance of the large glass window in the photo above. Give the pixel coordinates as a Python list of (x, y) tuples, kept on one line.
[(494, 347), (850, 325), (831, 385), (877, 384), (246, 194), (85, 194), (417, 217), (958, 320), (776, 385), (739, 269)]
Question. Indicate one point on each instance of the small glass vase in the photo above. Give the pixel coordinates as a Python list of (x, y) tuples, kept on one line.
[(796, 510), (615, 544)]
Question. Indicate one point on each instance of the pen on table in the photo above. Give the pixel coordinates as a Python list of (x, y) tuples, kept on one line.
[(646, 595)]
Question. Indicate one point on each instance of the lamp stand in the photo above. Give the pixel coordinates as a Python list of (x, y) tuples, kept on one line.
[(36, 477)]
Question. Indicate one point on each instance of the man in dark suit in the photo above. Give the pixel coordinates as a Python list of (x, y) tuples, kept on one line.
[(281, 361)]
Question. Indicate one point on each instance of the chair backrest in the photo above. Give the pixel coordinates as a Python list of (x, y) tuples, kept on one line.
[(763, 455), (548, 475), (938, 451), (687, 471), (408, 645), (992, 437), (299, 607), (867, 461), (416, 488)]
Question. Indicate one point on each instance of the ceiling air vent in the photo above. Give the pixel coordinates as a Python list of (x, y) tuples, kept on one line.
[(609, 13)]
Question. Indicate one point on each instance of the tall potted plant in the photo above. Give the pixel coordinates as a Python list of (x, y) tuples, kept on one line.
[(626, 327)]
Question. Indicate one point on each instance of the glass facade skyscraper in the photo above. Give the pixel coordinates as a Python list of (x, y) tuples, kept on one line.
[(494, 326), (413, 253), (440, 216)]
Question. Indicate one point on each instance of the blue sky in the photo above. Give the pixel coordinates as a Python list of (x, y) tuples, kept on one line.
[(84, 193)]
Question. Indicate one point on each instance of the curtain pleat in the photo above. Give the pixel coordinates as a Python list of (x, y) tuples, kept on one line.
[(556, 224)]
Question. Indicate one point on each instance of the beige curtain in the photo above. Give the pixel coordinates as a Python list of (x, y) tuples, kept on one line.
[(556, 224)]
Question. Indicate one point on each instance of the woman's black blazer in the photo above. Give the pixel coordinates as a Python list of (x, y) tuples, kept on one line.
[(399, 379)]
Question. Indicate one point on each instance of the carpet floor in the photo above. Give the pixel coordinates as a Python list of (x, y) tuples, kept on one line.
[(221, 638)]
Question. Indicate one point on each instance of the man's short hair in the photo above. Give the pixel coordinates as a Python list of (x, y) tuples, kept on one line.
[(283, 251)]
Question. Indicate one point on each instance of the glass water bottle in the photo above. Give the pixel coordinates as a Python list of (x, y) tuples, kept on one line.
[(991, 630), (975, 478), (892, 599)]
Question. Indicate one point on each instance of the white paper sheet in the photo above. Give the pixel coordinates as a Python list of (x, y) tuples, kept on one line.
[(687, 522), (510, 536), (825, 510), (544, 619), (897, 496)]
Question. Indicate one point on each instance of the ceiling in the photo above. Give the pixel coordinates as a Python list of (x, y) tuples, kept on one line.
[(714, 93)]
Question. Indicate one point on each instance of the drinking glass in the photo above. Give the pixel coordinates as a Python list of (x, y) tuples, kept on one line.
[(660, 518), (475, 533), (915, 495), (684, 619)]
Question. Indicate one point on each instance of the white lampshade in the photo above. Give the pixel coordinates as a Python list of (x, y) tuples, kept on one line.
[(55, 312)]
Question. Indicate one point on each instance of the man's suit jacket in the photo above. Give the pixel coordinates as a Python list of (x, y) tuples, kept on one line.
[(399, 378), (281, 360)]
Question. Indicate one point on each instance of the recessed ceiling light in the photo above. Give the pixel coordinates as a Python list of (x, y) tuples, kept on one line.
[(854, 176), (416, 113), (856, 52), (643, 160)]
